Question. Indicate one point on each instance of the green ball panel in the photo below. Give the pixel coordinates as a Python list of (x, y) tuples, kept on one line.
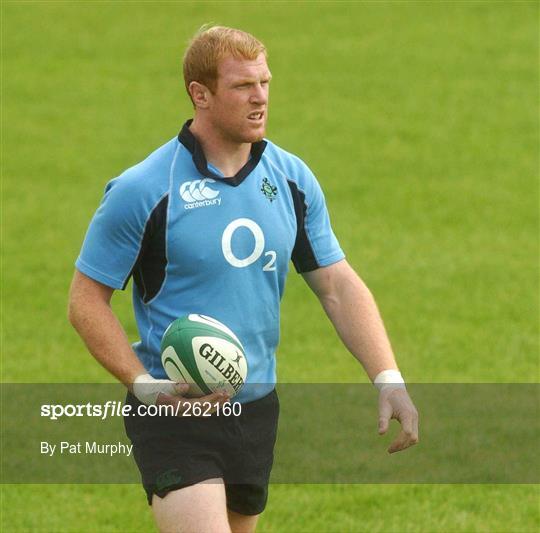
[(184, 323), (180, 340)]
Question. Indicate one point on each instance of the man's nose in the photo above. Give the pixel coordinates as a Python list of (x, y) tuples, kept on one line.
[(259, 94)]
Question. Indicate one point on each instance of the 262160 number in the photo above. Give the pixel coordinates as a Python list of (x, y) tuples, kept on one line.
[(201, 409)]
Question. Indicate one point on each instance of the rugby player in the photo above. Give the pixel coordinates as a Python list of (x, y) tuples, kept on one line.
[(207, 224)]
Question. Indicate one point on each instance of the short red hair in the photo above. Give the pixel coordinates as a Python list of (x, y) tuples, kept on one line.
[(209, 46)]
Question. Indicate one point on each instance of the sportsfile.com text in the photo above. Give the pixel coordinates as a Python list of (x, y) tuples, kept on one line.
[(113, 408)]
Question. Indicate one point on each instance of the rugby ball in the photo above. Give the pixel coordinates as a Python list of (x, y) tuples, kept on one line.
[(204, 353)]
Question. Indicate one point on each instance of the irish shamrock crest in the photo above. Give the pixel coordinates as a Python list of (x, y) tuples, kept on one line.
[(269, 190)]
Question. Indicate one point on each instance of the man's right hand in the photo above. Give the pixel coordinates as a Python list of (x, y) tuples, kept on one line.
[(151, 391)]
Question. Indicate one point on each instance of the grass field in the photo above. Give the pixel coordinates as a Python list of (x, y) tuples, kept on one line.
[(420, 120)]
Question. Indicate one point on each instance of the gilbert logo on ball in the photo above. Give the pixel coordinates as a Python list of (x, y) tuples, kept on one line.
[(206, 354)]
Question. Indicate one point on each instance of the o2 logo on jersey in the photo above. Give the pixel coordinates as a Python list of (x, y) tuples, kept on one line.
[(258, 250)]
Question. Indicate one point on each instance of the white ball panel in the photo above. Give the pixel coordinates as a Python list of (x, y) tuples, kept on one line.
[(209, 321)]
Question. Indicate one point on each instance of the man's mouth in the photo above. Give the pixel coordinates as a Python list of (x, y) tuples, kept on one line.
[(256, 115)]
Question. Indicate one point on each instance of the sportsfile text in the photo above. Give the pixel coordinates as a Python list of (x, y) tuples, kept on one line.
[(113, 408)]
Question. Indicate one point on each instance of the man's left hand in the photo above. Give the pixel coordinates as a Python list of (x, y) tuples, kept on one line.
[(396, 403)]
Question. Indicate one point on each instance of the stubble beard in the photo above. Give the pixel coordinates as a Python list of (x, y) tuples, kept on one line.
[(240, 137), (240, 134)]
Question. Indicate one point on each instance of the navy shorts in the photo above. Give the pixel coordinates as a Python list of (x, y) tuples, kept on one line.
[(176, 452)]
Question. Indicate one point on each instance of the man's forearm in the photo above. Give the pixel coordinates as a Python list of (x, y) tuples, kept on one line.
[(354, 313), (107, 341), (92, 317)]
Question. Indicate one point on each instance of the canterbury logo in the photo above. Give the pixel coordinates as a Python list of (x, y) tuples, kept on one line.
[(197, 191)]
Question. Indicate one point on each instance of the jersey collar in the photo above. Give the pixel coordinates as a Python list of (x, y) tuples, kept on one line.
[(192, 144)]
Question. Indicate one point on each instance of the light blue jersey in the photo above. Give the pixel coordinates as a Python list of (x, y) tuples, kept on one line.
[(197, 242)]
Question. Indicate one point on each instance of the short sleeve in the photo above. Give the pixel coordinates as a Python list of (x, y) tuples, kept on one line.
[(114, 237), (316, 245)]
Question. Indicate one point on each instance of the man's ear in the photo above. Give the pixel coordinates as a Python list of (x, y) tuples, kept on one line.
[(200, 94)]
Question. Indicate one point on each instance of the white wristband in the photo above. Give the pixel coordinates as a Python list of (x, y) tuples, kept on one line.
[(389, 379), (146, 388)]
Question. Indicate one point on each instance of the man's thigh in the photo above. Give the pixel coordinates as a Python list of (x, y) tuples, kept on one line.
[(241, 523), (194, 509)]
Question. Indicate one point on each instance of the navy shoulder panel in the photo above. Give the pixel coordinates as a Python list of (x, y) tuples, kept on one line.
[(303, 257), (151, 264)]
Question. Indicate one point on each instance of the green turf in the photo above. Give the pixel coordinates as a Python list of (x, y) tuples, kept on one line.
[(293, 508), (421, 122)]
